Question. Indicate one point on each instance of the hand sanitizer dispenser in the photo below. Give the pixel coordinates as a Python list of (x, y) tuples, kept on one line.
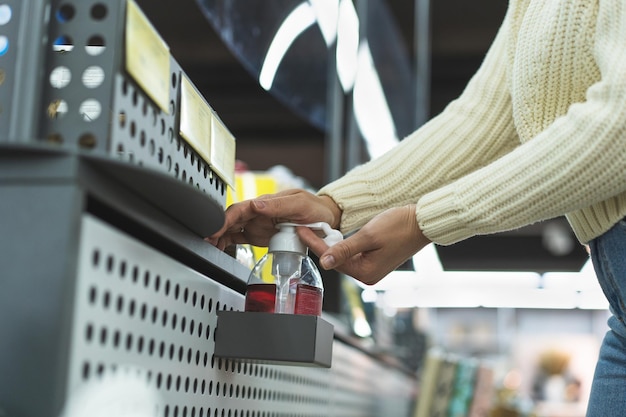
[(281, 322), (286, 280)]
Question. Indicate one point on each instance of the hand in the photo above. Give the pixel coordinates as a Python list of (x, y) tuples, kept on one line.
[(378, 248), (253, 221)]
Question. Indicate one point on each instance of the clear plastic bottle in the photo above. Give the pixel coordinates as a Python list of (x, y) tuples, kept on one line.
[(286, 280)]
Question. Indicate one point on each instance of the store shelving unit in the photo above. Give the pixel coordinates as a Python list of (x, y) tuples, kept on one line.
[(109, 295)]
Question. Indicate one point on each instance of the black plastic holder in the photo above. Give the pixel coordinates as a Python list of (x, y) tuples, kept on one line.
[(280, 339)]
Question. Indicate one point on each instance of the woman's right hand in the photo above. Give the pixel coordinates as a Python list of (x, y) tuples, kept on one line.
[(254, 221), (378, 248)]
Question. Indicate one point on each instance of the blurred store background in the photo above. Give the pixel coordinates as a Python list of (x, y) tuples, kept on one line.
[(518, 315)]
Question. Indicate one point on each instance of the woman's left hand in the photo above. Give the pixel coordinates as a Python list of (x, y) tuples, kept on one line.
[(378, 248)]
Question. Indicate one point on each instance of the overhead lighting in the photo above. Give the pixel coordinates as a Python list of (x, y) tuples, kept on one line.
[(299, 20), (347, 45), (361, 327), (371, 110), (337, 20), (327, 12)]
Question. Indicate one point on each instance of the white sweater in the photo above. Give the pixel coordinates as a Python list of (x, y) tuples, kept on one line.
[(539, 132)]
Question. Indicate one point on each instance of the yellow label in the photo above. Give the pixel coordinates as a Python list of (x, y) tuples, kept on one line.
[(222, 151), (195, 119), (147, 56)]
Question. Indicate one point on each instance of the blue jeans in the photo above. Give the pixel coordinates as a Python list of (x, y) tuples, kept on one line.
[(608, 391)]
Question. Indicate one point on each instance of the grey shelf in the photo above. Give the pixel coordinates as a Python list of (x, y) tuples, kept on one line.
[(107, 286)]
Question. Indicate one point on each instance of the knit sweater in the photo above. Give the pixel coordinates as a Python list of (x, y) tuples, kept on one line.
[(539, 132)]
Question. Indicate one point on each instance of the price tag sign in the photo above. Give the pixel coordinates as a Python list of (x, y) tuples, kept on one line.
[(147, 56), (222, 151), (195, 119)]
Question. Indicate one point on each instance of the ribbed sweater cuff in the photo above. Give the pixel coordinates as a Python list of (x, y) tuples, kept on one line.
[(360, 197), (439, 217)]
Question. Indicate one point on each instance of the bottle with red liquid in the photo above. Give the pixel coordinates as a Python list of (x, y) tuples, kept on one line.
[(286, 280)]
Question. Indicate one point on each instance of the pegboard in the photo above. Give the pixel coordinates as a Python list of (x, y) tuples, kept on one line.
[(155, 142), (141, 314), (90, 102), (10, 13), (22, 30)]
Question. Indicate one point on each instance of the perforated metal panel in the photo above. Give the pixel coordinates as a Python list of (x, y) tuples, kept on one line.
[(22, 28), (138, 311), (91, 103), (144, 135), (10, 13), (83, 52)]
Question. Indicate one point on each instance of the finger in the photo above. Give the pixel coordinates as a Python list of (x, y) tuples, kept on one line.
[(352, 266), (282, 193), (312, 240), (285, 208), (341, 252), (358, 256), (363, 267), (256, 238), (229, 239), (235, 217), (223, 242), (239, 214), (223, 235)]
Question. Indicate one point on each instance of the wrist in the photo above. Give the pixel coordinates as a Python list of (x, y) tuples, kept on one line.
[(334, 209), (415, 227)]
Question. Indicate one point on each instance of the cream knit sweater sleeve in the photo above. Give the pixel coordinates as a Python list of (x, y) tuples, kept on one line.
[(575, 166), (471, 132), (466, 168)]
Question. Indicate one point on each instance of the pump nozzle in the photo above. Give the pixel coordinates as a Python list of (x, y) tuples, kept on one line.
[(286, 240), (332, 236)]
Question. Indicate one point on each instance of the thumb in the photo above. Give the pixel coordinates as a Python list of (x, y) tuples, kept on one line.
[(339, 253), (327, 261)]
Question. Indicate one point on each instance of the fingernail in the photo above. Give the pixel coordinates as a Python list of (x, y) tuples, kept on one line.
[(259, 204), (328, 262)]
